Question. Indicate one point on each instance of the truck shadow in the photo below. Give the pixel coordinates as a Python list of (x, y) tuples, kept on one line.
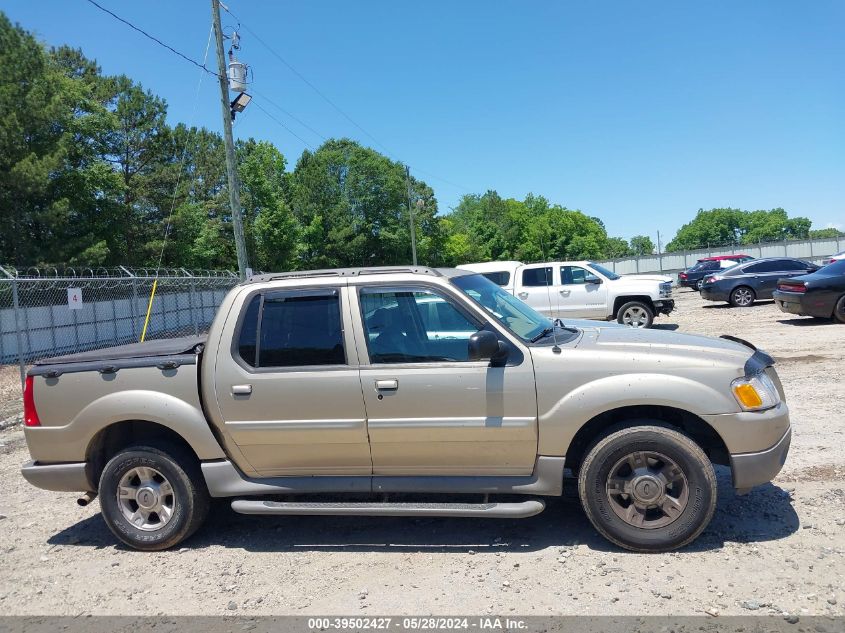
[(765, 514)]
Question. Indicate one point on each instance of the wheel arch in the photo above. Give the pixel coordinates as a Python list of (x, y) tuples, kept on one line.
[(674, 418), (110, 440), (621, 300)]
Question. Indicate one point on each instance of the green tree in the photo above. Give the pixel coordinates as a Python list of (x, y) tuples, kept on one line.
[(828, 232), (720, 227), (352, 204), (642, 245)]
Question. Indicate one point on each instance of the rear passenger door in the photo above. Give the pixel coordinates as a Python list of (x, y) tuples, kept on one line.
[(289, 391)]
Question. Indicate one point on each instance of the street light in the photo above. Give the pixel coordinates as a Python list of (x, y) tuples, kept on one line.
[(239, 103)]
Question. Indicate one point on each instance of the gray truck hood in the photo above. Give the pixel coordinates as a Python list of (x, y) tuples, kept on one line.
[(668, 346)]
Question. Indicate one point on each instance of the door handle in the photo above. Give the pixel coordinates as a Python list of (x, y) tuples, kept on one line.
[(387, 385), (241, 390), (565, 293), (522, 295)]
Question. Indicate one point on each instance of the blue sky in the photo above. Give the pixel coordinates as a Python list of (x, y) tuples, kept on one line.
[(637, 112)]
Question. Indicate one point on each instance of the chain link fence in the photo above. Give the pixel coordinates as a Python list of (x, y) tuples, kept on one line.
[(47, 312)]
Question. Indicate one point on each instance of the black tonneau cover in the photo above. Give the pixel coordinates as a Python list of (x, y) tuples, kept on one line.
[(148, 349)]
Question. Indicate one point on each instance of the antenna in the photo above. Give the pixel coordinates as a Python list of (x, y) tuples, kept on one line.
[(549, 275)]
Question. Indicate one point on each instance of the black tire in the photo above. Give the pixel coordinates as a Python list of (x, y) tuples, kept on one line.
[(696, 286), (839, 310), (597, 501), (190, 499), (739, 297), (644, 311)]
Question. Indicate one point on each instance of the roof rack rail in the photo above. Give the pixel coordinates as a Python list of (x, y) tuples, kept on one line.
[(346, 272)]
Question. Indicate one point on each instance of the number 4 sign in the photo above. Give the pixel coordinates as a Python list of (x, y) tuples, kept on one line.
[(74, 298)]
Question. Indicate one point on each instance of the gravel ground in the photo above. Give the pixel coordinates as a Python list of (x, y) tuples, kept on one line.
[(779, 549)]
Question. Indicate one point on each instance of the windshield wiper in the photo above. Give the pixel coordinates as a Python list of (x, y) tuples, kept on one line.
[(545, 332)]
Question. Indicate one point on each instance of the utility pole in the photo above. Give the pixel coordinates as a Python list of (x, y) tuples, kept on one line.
[(411, 216), (231, 165)]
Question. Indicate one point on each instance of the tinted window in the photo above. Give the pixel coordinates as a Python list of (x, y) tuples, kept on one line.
[(570, 275), (499, 277), (537, 277), (249, 330), (765, 267), (794, 264), (414, 326), (300, 328)]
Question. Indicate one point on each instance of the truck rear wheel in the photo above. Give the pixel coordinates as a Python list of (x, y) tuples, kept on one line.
[(647, 488), (635, 314), (153, 498)]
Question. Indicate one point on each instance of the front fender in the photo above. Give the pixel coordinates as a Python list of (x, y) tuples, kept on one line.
[(70, 442), (560, 419)]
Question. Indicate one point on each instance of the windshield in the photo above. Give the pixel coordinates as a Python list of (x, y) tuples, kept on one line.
[(604, 271), (517, 316)]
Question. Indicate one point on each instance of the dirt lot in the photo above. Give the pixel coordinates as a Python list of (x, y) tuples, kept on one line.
[(779, 549)]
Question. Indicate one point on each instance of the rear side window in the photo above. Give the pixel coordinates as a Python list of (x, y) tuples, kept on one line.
[(499, 277), (247, 341), (537, 277), (293, 329)]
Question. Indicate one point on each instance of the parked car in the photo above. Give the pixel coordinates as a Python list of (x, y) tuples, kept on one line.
[(692, 276), (414, 381), (744, 284), (836, 258), (820, 294), (583, 289)]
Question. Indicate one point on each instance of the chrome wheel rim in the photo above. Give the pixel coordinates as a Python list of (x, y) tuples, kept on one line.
[(635, 316), (146, 499), (743, 296), (647, 490)]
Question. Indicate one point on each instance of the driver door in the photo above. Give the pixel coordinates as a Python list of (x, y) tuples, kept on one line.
[(430, 410), (582, 293)]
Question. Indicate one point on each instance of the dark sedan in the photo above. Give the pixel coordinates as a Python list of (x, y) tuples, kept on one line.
[(745, 283), (821, 294), (706, 266)]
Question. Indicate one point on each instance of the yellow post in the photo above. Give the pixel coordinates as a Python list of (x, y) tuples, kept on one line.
[(149, 309)]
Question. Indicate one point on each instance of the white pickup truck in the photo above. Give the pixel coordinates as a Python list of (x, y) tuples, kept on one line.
[(583, 289)]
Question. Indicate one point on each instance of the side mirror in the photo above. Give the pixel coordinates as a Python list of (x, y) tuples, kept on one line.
[(593, 280), (484, 345)]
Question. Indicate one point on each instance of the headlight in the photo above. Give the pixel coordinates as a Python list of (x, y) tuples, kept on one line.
[(755, 393)]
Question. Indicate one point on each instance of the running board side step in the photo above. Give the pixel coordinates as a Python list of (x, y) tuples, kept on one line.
[(519, 510)]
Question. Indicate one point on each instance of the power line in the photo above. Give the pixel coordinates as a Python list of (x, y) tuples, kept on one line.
[(281, 109), (327, 100), (188, 135), (290, 131), (152, 37)]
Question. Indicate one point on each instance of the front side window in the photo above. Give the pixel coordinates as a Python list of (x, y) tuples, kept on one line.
[(537, 277), (575, 275), (414, 325), (293, 329), (765, 267)]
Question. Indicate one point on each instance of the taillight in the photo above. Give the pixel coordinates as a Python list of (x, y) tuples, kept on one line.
[(683, 275), (792, 287), (30, 415)]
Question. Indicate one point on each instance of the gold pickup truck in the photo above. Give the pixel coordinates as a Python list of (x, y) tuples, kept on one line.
[(355, 384)]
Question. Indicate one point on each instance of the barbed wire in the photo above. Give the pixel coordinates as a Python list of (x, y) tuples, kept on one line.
[(47, 272)]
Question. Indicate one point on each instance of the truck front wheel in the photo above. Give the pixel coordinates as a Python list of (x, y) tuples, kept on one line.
[(153, 498), (635, 314), (647, 488)]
